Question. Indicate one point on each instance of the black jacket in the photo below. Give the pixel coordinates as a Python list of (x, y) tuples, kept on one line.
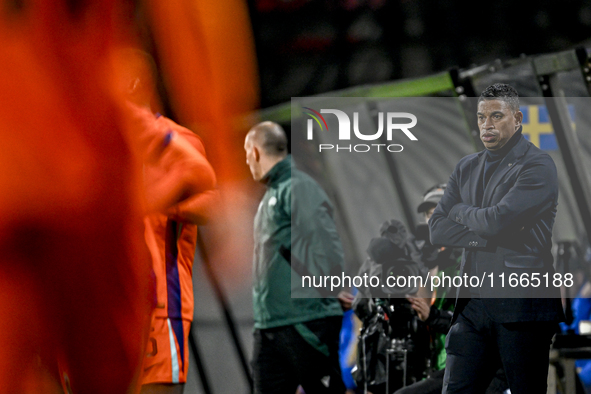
[(510, 232)]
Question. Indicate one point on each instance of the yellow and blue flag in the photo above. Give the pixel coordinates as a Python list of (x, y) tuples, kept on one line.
[(537, 127)]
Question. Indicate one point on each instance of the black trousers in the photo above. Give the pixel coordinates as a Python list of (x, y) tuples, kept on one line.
[(477, 346), (434, 384), (431, 385), (283, 359)]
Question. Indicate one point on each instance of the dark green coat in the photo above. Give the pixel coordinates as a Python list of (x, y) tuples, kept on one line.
[(293, 222)]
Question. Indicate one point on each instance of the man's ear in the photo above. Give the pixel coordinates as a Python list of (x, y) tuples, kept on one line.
[(257, 154), (518, 118)]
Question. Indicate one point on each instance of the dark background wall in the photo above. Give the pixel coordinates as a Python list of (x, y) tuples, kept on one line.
[(307, 47)]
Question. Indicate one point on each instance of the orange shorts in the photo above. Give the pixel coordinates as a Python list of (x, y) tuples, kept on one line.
[(163, 362)]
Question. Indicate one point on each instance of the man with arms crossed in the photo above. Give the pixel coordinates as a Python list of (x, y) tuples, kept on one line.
[(296, 340), (500, 206)]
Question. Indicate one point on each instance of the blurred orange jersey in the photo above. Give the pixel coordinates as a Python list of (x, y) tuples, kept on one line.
[(74, 271), (172, 244)]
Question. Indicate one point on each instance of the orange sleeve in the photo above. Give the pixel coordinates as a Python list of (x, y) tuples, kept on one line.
[(196, 208), (174, 169)]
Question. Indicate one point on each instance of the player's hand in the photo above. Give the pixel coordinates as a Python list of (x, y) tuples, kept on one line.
[(346, 300), (421, 306)]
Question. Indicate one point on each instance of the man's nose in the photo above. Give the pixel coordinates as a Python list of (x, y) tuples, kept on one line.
[(488, 123)]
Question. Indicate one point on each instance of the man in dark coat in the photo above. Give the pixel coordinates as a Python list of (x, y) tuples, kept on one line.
[(500, 206)]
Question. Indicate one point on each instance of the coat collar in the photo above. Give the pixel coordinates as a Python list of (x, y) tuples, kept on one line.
[(278, 173)]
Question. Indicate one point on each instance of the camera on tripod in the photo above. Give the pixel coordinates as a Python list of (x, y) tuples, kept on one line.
[(394, 343)]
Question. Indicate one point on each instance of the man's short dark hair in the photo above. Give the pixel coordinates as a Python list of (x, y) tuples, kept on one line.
[(502, 92), (272, 138)]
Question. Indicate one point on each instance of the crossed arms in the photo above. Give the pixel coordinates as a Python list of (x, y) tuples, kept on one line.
[(460, 224)]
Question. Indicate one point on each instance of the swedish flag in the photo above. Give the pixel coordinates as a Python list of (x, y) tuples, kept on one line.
[(537, 127)]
